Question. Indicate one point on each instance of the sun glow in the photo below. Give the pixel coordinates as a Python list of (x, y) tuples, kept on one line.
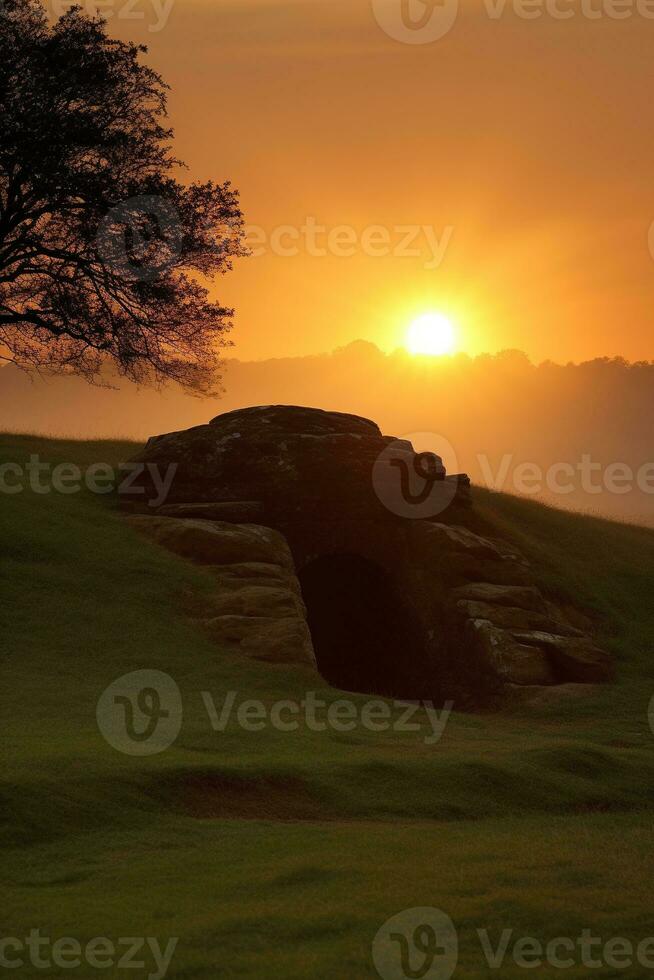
[(432, 333)]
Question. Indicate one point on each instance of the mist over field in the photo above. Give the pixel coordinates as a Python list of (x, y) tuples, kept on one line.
[(576, 435)]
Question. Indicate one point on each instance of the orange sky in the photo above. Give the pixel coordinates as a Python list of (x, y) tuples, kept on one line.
[(529, 139)]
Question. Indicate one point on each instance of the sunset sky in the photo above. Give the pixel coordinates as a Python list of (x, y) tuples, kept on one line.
[(528, 139)]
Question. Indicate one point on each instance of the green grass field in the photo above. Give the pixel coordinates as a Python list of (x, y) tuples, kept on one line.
[(274, 854)]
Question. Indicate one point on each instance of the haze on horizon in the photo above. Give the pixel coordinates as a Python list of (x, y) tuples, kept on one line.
[(493, 416)]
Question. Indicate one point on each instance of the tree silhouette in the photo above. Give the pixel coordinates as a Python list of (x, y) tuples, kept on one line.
[(104, 255)]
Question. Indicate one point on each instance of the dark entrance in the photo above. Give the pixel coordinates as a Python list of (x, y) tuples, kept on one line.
[(364, 637)]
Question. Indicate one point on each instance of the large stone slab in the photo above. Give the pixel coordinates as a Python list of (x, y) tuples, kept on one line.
[(514, 618), (273, 601), (234, 511), (283, 640), (511, 662), (519, 596), (215, 542), (257, 605), (575, 659), (449, 537), (297, 461), (503, 623)]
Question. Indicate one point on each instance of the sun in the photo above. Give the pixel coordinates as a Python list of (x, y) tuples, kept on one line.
[(431, 333)]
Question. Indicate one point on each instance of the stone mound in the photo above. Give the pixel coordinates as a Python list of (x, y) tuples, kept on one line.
[(290, 462), (330, 540)]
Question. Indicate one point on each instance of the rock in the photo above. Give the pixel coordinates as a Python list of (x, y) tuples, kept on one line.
[(574, 659), (257, 605), (258, 600), (293, 419), (505, 572), (572, 615), (233, 511), (510, 661), (280, 641), (254, 573), (522, 597), (461, 479), (215, 542), (512, 617), (509, 552), (298, 462), (447, 537)]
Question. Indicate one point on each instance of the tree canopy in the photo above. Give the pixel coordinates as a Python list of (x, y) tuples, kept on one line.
[(105, 257)]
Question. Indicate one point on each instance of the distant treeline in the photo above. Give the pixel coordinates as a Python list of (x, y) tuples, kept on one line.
[(577, 435)]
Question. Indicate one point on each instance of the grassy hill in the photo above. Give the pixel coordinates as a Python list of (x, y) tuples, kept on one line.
[(280, 854)]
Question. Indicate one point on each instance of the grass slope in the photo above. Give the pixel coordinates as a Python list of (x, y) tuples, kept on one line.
[(280, 854)]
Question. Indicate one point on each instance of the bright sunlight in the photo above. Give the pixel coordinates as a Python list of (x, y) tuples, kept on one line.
[(432, 333)]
